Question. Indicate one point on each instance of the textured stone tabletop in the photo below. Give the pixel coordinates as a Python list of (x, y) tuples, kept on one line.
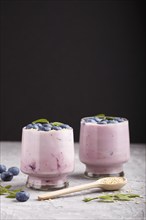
[(71, 206)]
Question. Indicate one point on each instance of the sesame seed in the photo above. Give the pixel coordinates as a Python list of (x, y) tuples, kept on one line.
[(112, 180)]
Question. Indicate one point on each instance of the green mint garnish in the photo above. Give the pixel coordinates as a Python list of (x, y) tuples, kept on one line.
[(4, 190), (102, 116), (8, 187), (56, 123), (41, 120), (113, 197), (107, 199), (122, 197), (89, 199), (110, 117), (9, 193)]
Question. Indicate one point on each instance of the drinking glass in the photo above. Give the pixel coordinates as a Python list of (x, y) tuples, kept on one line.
[(47, 157), (104, 148)]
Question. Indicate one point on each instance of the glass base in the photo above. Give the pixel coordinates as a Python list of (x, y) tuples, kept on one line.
[(96, 172), (98, 176), (45, 184)]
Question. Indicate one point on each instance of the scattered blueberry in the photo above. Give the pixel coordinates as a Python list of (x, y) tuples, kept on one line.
[(22, 196), (7, 176), (2, 168), (14, 170)]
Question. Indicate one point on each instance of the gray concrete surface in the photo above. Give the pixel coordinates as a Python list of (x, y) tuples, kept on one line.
[(72, 207)]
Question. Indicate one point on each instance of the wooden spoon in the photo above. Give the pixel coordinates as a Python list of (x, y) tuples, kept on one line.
[(108, 183)]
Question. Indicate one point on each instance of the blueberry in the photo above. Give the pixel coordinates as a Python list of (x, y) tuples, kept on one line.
[(7, 176), (14, 170), (29, 126), (65, 126), (119, 119), (47, 127), (35, 126), (97, 119), (90, 120), (103, 122), (56, 128), (2, 168), (112, 122), (22, 196), (40, 126)]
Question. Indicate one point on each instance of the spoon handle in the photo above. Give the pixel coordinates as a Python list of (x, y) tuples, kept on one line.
[(54, 194)]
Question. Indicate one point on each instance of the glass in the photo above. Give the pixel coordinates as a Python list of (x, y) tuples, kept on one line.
[(104, 148), (47, 157)]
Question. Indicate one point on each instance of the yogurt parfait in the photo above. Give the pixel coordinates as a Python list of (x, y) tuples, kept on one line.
[(104, 145), (47, 154)]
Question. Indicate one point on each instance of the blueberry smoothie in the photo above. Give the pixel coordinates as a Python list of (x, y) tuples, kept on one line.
[(47, 154), (104, 145)]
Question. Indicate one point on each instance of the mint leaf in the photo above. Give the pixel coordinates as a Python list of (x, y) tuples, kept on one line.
[(8, 187), (9, 193), (106, 200), (122, 197), (41, 120), (110, 117), (16, 190), (100, 115), (133, 195), (113, 197), (11, 196), (3, 190), (89, 199), (2, 193), (56, 123), (106, 196)]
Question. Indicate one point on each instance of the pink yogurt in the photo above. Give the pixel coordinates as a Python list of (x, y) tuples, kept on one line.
[(104, 148), (47, 157)]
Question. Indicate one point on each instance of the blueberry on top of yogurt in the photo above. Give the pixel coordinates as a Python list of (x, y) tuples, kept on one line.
[(45, 125), (103, 120)]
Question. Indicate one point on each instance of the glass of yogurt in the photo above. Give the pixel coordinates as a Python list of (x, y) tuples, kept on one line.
[(47, 154), (104, 145)]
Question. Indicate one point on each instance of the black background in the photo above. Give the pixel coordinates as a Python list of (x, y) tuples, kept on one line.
[(63, 60)]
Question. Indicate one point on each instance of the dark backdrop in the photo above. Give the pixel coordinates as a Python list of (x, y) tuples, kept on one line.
[(64, 60)]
